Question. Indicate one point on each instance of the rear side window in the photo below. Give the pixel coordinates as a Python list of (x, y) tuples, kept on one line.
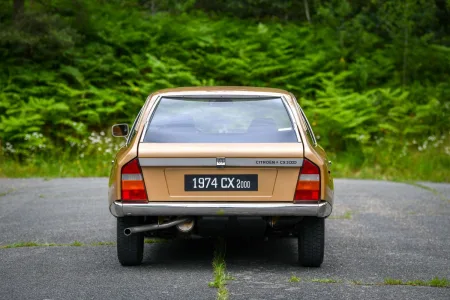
[(220, 120)]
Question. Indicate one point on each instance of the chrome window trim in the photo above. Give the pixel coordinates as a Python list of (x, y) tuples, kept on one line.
[(309, 128), (202, 96), (143, 132), (133, 127), (149, 117), (291, 115), (219, 94)]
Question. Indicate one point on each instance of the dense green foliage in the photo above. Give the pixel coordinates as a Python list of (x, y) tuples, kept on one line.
[(372, 75)]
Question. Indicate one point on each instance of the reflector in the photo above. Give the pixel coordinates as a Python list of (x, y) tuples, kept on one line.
[(309, 168), (132, 167)]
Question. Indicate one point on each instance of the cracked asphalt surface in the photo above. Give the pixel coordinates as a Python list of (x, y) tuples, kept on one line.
[(395, 230)]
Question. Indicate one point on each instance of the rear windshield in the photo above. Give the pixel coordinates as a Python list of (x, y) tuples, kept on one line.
[(223, 120)]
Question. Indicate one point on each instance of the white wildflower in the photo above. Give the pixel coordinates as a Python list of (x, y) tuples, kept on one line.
[(9, 148), (425, 145)]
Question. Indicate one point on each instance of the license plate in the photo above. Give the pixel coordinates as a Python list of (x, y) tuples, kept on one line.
[(248, 182)]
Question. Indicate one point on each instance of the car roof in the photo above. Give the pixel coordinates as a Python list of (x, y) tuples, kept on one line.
[(222, 89)]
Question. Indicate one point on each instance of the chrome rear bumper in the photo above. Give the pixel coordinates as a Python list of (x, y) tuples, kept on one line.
[(318, 209)]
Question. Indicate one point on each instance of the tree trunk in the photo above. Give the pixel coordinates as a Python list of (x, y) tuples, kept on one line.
[(405, 58), (405, 44), (18, 8), (152, 7), (305, 2)]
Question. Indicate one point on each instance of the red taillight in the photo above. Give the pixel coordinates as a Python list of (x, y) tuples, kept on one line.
[(308, 184), (133, 187)]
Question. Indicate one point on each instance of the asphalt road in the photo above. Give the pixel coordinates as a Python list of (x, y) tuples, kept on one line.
[(377, 230)]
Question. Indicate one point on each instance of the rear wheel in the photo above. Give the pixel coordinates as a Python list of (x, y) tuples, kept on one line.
[(130, 249), (311, 241)]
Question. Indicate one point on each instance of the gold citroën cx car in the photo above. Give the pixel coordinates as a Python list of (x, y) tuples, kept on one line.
[(220, 161)]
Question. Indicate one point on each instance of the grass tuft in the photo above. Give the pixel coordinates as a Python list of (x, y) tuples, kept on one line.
[(28, 244), (346, 216), (439, 282), (430, 189), (294, 279), (390, 281), (102, 244), (77, 244), (7, 192), (324, 280), (435, 282), (35, 244), (229, 277), (222, 293), (20, 245), (219, 268)]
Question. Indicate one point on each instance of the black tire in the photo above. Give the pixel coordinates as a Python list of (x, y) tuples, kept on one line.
[(311, 241), (130, 249)]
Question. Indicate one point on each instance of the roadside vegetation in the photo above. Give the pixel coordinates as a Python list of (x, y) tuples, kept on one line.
[(372, 76), (435, 282), (37, 244), (348, 215), (324, 280)]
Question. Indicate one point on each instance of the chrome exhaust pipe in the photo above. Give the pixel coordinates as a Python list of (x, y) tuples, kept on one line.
[(136, 229)]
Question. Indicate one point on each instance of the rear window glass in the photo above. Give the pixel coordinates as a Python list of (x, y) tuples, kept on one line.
[(221, 120)]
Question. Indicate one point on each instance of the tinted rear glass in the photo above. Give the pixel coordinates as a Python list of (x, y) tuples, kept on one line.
[(220, 121)]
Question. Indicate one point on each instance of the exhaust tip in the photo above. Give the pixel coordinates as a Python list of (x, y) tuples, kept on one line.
[(127, 231), (186, 226)]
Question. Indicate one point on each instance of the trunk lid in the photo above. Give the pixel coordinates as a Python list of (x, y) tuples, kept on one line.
[(213, 171)]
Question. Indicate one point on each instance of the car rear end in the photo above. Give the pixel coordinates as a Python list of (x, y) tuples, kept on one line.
[(210, 164)]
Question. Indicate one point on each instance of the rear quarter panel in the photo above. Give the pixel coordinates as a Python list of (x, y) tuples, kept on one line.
[(128, 152), (125, 154), (318, 156)]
